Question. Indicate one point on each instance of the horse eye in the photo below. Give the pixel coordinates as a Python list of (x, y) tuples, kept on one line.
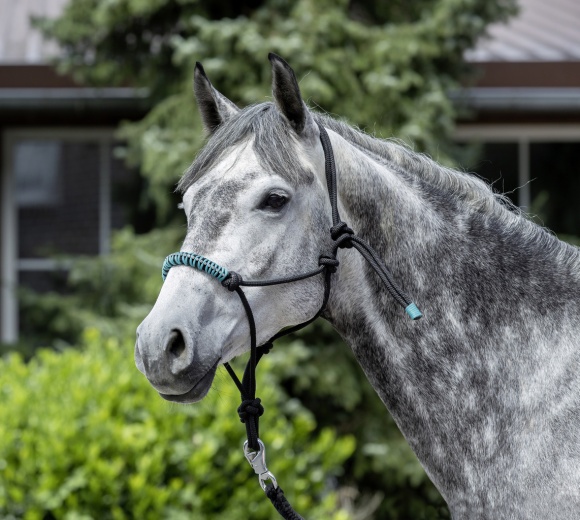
[(274, 201)]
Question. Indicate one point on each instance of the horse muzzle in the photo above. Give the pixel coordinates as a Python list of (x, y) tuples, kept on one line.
[(173, 366)]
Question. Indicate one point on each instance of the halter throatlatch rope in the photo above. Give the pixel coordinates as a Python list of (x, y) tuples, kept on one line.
[(251, 407)]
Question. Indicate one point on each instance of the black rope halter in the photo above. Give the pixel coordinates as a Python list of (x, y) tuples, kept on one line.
[(251, 409)]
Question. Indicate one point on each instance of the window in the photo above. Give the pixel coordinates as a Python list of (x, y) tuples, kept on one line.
[(538, 167), (56, 186), (56, 202), (555, 184)]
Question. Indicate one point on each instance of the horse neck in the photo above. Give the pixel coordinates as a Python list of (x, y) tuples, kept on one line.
[(497, 295)]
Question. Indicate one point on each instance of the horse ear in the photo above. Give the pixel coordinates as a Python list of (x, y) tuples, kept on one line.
[(287, 93), (214, 107)]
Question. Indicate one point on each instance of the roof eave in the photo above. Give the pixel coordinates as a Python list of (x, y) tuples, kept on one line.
[(77, 99), (518, 99)]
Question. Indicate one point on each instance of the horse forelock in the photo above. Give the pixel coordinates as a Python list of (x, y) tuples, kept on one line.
[(273, 140)]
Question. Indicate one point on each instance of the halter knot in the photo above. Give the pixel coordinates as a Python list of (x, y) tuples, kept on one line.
[(330, 262), (340, 229), (233, 281), (342, 234), (266, 347), (250, 408)]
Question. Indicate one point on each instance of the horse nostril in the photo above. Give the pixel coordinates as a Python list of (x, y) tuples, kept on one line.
[(176, 343)]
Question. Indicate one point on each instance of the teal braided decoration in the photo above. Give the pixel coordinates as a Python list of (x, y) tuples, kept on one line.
[(192, 260)]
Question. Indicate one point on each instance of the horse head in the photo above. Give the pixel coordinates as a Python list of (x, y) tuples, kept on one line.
[(256, 203)]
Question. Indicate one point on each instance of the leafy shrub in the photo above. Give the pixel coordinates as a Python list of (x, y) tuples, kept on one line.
[(85, 436)]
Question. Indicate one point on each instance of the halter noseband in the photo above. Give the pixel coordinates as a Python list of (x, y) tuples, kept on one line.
[(251, 408)]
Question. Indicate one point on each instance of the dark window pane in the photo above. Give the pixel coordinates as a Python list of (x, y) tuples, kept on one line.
[(57, 192), (125, 192), (43, 281), (555, 185), (497, 163)]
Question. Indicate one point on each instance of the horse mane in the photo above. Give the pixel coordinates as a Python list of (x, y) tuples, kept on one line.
[(476, 192), (399, 157)]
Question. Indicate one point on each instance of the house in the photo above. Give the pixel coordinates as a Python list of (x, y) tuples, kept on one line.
[(524, 111), (59, 173)]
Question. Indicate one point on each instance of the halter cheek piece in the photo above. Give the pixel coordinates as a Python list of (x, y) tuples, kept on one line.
[(251, 408)]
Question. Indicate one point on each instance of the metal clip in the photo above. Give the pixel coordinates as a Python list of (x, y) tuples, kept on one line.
[(257, 460)]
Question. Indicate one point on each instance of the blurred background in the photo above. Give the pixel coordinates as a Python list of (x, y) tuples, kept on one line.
[(97, 123)]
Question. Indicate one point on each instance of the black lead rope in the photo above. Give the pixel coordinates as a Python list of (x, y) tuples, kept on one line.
[(251, 409)]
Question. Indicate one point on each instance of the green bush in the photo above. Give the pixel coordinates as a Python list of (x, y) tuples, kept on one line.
[(85, 436)]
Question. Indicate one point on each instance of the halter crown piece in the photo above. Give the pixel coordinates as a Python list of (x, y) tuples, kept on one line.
[(251, 408)]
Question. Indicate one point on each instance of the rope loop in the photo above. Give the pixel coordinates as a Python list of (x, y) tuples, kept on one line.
[(250, 408), (343, 241), (330, 262), (232, 282)]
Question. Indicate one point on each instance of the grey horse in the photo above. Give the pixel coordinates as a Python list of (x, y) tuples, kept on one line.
[(485, 388)]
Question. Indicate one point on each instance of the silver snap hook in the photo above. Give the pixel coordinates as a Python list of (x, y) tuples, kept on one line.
[(257, 460)]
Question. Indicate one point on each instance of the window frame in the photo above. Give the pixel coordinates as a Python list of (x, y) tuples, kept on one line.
[(523, 135)]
